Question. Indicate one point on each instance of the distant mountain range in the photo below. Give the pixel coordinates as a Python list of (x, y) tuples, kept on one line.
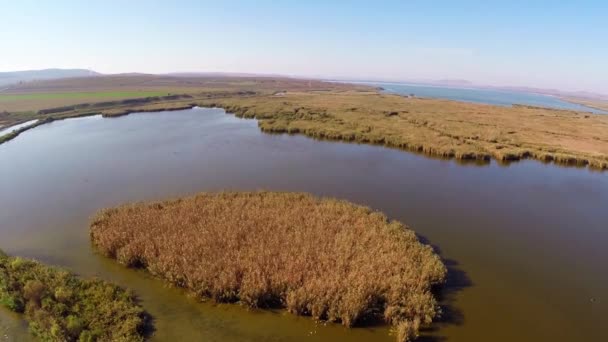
[(13, 77)]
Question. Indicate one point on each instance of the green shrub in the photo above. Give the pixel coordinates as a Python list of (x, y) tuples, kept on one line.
[(62, 307)]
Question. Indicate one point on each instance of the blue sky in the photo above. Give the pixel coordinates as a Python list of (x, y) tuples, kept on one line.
[(554, 44)]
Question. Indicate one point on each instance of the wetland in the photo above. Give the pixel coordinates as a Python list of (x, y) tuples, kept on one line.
[(524, 244)]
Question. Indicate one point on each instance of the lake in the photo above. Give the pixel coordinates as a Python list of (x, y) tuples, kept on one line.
[(478, 95), (525, 244)]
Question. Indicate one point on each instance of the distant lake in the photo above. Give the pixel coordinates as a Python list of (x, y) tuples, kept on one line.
[(487, 96)]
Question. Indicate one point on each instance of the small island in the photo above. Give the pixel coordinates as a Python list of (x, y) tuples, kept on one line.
[(325, 258), (62, 307)]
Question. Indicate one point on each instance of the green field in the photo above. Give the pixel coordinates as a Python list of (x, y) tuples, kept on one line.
[(34, 96), (79, 95)]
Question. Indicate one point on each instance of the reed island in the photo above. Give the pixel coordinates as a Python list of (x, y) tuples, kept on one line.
[(320, 257)]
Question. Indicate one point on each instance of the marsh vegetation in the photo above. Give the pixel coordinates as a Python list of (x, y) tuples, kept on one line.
[(441, 128), (62, 307), (326, 258)]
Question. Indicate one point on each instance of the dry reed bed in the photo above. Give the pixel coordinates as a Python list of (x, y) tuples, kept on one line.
[(441, 128), (326, 258)]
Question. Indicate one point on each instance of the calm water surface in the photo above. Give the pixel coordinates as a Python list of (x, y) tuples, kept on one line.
[(525, 244), (487, 96)]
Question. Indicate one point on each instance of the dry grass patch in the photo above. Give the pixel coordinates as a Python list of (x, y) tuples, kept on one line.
[(326, 258)]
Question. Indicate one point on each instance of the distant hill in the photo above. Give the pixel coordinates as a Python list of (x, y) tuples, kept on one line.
[(13, 77)]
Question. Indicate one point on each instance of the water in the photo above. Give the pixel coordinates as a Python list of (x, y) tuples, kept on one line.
[(487, 96), (525, 244), (10, 129)]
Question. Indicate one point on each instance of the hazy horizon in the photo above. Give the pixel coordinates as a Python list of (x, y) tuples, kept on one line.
[(538, 44)]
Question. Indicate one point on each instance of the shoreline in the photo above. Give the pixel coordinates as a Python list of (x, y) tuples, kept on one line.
[(267, 123), (558, 159), (15, 127), (601, 105), (571, 100)]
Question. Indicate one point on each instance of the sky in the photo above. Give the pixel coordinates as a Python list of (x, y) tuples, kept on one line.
[(549, 44)]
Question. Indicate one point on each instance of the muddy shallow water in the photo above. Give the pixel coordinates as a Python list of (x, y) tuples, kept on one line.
[(525, 244)]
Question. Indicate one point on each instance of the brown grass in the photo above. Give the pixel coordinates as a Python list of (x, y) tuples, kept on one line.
[(442, 128), (321, 257)]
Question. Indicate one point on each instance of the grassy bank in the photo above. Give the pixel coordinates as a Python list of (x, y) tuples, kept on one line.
[(325, 258), (442, 128), (62, 307)]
